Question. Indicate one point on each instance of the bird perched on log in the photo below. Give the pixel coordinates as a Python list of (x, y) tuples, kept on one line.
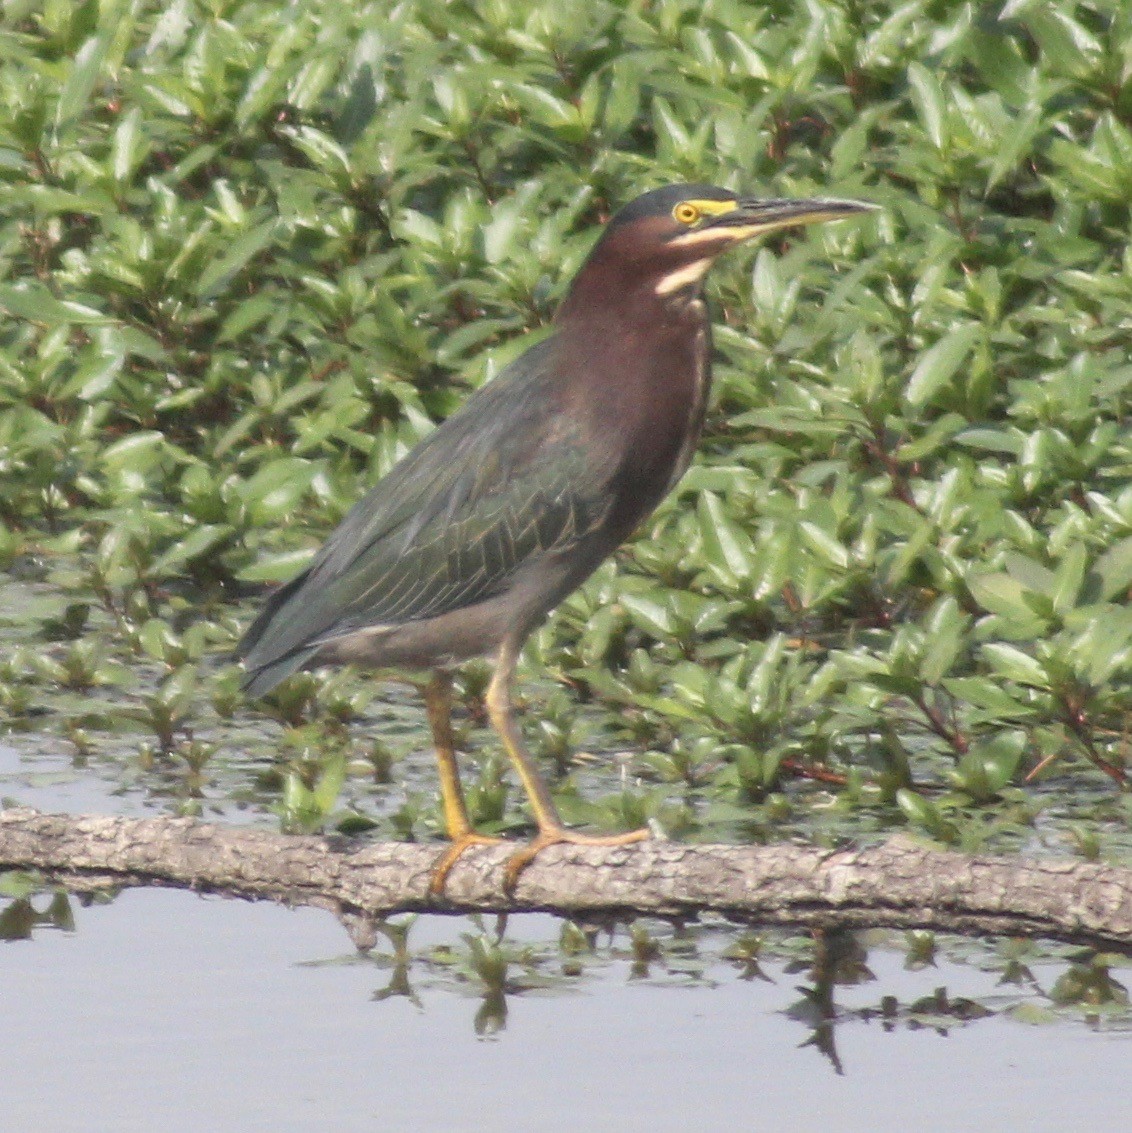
[(467, 544)]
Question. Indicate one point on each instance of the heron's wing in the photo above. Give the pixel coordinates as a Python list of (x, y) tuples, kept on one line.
[(500, 483)]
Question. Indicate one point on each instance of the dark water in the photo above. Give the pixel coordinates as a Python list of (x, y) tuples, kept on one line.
[(167, 1011)]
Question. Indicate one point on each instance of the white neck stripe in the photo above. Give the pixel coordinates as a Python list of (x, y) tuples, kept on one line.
[(683, 276)]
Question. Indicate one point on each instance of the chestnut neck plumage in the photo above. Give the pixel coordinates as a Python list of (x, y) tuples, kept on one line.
[(640, 356)]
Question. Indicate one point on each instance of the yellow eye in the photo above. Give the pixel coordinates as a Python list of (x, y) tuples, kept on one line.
[(686, 212)]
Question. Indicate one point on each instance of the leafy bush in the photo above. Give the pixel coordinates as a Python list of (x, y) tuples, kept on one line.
[(251, 251)]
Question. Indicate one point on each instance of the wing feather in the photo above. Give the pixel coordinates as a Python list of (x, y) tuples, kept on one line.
[(499, 484)]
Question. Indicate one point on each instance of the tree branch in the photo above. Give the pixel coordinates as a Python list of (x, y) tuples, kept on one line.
[(899, 884)]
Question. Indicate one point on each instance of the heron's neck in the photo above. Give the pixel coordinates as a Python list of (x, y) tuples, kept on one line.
[(645, 363)]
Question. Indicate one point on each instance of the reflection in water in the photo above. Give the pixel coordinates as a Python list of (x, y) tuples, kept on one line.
[(493, 961), (838, 958), (487, 964), (21, 916), (267, 1018)]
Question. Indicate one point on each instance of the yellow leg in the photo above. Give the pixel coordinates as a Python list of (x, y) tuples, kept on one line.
[(438, 702), (551, 831)]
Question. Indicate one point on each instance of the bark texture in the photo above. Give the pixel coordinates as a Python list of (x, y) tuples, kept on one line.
[(899, 884)]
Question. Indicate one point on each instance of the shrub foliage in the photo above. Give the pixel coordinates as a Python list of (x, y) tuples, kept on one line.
[(250, 251)]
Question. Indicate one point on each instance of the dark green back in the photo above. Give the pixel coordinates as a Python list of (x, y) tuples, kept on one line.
[(496, 486)]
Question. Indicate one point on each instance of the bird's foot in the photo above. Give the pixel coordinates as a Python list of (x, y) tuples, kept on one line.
[(452, 855), (555, 835)]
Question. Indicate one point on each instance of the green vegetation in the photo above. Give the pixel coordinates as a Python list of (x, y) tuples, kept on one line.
[(249, 252)]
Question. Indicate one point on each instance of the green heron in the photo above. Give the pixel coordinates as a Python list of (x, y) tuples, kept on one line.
[(467, 544)]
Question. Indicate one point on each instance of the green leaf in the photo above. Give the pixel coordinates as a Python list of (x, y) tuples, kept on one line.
[(1016, 142), (824, 544), (922, 813), (277, 487), (200, 541), (277, 568), (329, 785), (726, 545), (1069, 577), (941, 362), (987, 694), (653, 617), (238, 255), (1115, 570), (1016, 665), (129, 147), (1031, 574), (32, 301), (83, 75), (990, 764), (927, 96)]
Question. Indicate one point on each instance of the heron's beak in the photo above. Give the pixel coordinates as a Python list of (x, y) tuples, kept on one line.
[(751, 217)]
